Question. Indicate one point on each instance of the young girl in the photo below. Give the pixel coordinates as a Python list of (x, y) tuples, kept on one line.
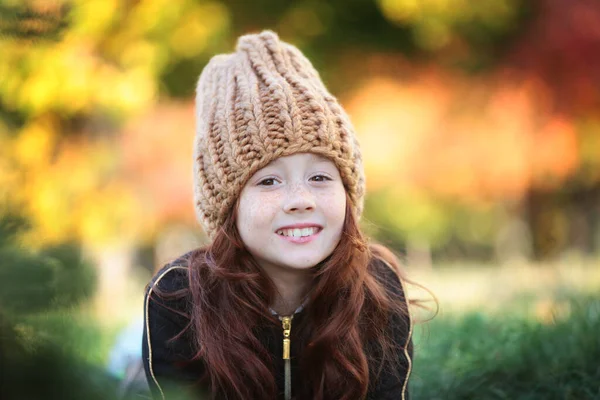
[(289, 300)]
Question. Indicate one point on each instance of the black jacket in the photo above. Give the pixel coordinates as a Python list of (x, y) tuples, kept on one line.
[(167, 364)]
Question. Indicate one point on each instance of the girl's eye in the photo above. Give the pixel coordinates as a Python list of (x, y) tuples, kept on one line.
[(267, 182), (320, 178)]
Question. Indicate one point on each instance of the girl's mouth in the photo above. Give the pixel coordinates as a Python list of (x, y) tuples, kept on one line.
[(303, 235)]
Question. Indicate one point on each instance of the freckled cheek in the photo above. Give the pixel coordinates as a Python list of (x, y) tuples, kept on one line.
[(334, 206), (261, 210)]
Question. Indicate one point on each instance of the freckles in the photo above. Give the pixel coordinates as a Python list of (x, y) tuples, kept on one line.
[(263, 206), (256, 210), (334, 200)]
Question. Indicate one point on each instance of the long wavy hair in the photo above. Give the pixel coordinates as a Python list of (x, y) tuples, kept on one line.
[(345, 335)]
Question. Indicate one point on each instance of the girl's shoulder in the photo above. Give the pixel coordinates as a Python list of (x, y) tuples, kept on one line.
[(171, 277), (168, 290), (387, 275)]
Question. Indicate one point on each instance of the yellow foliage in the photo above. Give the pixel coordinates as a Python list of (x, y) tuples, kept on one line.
[(78, 73), (105, 63), (38, 91), (93, 18), (401, 11), (432, 20), (49, 210), (69, 190), (153, 15), (114, 215), (191, 34), (141, 53), (33, 147), (132, 91)]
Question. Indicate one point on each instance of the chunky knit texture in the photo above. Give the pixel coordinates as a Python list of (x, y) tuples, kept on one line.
[(253, 106)]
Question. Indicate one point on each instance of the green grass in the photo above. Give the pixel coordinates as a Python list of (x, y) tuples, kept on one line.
[(72, 331), (52, 356), (499, 356)]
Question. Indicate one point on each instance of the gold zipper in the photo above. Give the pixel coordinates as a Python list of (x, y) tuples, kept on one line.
[(286, 323)]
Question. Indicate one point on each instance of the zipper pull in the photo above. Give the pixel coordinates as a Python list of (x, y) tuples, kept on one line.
[(286, 322)]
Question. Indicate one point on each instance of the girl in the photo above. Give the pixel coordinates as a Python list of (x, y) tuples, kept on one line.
[(288, 301)]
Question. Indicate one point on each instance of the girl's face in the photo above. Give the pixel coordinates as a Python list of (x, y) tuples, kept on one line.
[(292, 211)]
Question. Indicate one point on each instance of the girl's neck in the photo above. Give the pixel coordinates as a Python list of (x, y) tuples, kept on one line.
[(292, 288), (286, 307)]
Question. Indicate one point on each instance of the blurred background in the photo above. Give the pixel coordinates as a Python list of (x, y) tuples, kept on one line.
[(479, 124)]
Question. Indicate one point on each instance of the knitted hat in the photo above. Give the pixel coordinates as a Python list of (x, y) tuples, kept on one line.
[(253, 106)]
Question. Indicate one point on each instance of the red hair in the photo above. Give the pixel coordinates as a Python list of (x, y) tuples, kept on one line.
[(344, 332)]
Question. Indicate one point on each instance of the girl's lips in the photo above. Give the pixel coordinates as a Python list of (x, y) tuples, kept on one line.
[(301, 239)]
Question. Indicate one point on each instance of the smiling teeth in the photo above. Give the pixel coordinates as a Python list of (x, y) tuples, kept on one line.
[(297, 232)]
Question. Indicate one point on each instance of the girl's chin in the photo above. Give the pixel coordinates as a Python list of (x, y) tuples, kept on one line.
[(301, 264)]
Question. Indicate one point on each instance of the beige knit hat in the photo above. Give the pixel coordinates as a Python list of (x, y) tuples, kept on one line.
[(253, 106)]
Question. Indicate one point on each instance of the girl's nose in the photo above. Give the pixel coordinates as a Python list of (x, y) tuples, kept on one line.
[(299, 199)]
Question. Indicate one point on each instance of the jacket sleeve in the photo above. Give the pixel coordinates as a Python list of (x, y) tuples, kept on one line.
[(169, 371), (393, 381)]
